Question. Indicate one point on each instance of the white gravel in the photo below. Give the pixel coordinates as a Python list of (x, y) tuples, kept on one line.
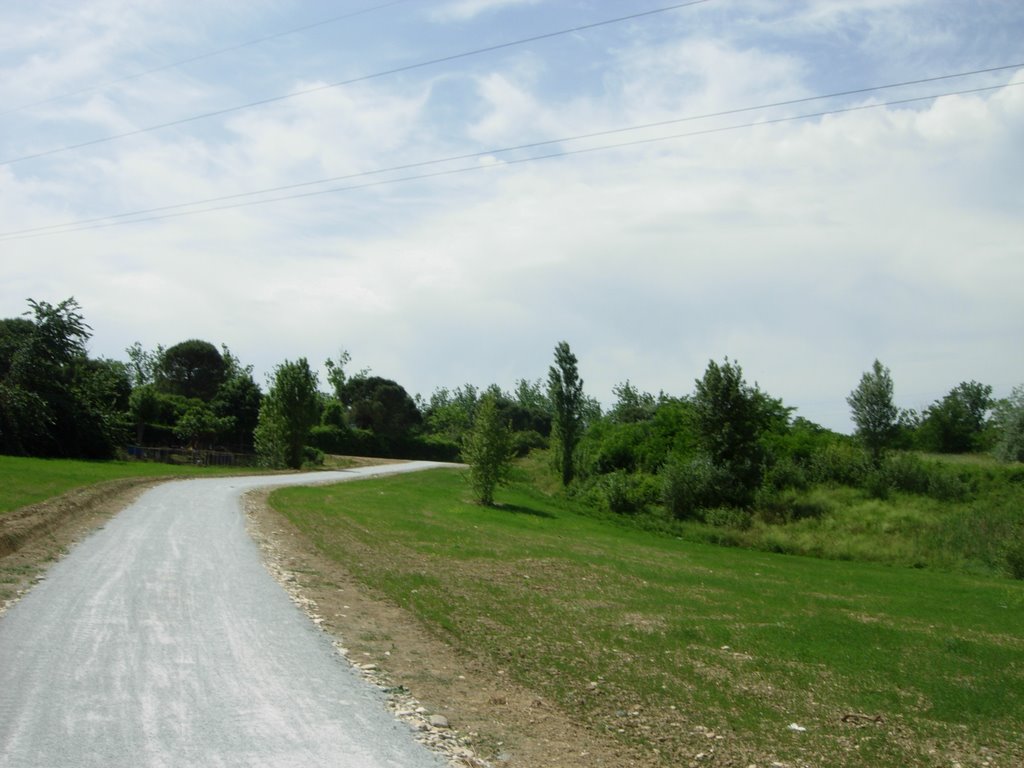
[(161, 640)]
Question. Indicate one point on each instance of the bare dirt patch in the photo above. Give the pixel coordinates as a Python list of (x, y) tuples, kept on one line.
[(493, 721)]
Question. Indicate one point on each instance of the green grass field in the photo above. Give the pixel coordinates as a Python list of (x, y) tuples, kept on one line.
[(25, 481), (658, 640)]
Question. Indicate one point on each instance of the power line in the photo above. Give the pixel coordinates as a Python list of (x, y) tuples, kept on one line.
[(520, 147), (89, 224), (360, 79), (207, 55)]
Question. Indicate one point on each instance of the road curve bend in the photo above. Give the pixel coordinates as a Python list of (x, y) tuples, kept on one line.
[(161, 641)]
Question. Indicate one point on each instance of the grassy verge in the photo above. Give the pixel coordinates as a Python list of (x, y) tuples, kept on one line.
[(25, 481), (690, 649)]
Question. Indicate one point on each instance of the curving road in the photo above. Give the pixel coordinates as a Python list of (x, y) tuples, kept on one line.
[(161, 640)]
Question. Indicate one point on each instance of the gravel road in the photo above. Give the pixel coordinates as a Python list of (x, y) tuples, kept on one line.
[(161, 640)]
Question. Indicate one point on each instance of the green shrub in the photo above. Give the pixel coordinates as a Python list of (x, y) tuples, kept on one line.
[(691, 486), (777, 507), (526, 440), (629, 493), (878, 484), (840, 463), (786, 473), (906, 472), (945, 485), (312, 457), (729, 517), (1015, 557)]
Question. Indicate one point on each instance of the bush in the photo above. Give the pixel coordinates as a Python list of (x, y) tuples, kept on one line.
[(688, 487), (526, 440), (947, 486), (627, 493), (786, 473), (878, 484), (906, 472), (312, 457), (775, 506), (729, 517), (1015, 557), (840, 463)]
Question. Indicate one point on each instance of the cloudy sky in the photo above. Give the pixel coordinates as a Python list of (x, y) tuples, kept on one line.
[(321, 136)]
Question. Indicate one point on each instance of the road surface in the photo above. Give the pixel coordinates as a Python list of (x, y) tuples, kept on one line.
[(162, 641)]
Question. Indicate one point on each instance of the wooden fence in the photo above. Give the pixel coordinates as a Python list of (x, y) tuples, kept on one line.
[(196, 457)]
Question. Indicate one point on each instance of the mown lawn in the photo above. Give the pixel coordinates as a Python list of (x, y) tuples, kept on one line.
[(662, 642), (25, 481)]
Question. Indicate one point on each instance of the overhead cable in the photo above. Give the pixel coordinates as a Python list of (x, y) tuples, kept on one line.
[(360, 79), (207, 55), (111, 221)]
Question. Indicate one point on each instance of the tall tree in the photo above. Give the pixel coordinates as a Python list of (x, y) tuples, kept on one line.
[(874, 413), (380, 405), (1009, 424), (731, 416), (287, 413), (54, 401), (193, 368), (565, 391), (488, 449), (955, 423)]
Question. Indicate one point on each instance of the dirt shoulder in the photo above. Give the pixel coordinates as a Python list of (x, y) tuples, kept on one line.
[(493, 721)]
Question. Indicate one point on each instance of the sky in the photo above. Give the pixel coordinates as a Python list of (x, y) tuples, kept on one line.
[(801, 237)]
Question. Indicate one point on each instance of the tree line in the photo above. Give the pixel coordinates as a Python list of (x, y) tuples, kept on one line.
[(726, 445)]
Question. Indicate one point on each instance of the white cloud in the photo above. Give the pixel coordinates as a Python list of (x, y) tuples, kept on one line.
[(803, 250), (463, 10)]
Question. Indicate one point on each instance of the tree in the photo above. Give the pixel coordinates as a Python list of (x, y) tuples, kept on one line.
[(565, 391), (1009, 424), (193, 368), (287, 413), (336, 372), (731, 417), (54, 401), (199, 426), (380, 405), (873, 411), (238, 400), (955, 423), (488, 450), (631, 405)]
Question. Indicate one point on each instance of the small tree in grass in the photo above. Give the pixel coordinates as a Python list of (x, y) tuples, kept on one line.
[(873, 410), (488, 450)]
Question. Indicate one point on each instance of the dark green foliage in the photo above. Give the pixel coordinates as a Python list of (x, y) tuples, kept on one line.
[(874, 413), (54, 400), (1015, 555), (332, 414), (380, 405), (237, 402), (692, 486), (956, 423), (191, 369), (565, 391), (731, 418)]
